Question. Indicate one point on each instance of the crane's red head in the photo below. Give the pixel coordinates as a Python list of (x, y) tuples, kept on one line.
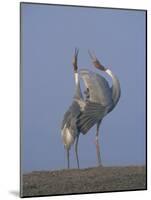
[(75, 60), (96, 62)]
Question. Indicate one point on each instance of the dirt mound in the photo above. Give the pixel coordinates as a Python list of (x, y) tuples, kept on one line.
[(73, 181)]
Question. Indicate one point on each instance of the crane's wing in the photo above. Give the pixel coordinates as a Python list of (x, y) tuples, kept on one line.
[(70, 118), (93, 113), (100, 100), (99, 89)]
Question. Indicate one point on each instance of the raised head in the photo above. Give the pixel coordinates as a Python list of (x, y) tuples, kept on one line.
[(75, 60), (96, 62)]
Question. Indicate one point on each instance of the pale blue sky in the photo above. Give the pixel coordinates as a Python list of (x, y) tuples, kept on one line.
[(49, 36)]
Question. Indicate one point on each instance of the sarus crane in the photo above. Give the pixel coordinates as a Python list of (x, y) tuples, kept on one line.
[(84, 113)]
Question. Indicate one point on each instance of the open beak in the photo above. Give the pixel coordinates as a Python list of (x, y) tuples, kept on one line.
[(96, 62), (75, 60)]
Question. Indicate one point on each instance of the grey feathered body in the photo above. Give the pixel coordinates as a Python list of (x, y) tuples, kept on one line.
[(69, 128), (100, 101), (83, 115)]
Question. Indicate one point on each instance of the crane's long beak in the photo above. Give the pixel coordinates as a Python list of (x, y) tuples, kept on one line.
[(92, 56), (75, 60), (96, 62)]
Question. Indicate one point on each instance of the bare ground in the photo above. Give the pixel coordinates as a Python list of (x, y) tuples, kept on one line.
[(71, 181)]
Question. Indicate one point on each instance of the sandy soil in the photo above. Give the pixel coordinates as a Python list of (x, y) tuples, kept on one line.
[(97, 179)]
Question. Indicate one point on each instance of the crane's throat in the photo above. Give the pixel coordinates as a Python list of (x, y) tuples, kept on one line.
[(76, 76)]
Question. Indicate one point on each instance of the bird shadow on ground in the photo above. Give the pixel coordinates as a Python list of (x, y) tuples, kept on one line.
[(14, 193)]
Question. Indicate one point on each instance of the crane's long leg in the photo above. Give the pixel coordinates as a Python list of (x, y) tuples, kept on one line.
[(97, 144), (68, 159), (76, 150)]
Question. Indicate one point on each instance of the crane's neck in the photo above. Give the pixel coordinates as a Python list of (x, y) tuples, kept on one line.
[(76, 77), (116, 90), (78, 93)]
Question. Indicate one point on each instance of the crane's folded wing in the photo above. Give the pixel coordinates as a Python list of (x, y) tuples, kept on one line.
[(72, 112), (92, 114)]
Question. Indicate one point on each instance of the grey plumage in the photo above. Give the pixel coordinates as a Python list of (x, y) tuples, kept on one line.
[(92, 114), (69, 129), (100, 100), (99, 89), (83, 114), (72, 113)]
